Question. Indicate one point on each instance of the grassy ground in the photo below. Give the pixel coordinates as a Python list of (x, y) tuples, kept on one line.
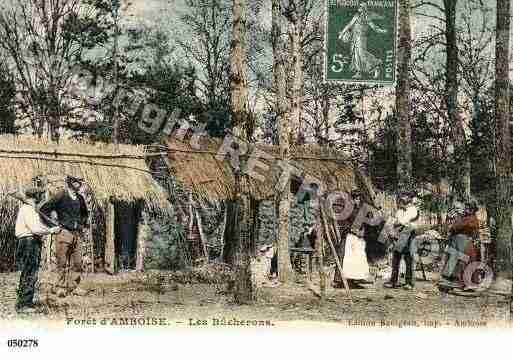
[(134, 295)]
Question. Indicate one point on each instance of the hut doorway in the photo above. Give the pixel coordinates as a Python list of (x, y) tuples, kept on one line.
[(126, 222)]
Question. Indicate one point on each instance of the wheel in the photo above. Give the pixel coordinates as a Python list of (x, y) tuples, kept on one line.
[(444, 289)]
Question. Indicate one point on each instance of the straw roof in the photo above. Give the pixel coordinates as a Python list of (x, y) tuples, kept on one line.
[(211, 176), (119, 173)]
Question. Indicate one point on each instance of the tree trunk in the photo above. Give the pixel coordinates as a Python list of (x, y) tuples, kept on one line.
[(404, 153), (297, 75), (115, 120), (243, 289), (194, 246), (326, 106), (461, 178), (282, 197), (229, 237), (502, 151)]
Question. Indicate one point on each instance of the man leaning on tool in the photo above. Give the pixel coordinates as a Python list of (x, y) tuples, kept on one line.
[(72, 215), (30, 231), (405, 246)]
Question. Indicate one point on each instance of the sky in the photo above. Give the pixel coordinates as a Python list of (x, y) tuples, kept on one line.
[(154, 11), (158, 10)]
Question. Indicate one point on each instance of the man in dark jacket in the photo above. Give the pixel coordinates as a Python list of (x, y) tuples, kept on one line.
[(72, 215)]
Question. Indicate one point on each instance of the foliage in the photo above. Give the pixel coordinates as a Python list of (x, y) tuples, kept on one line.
[(42, 54), (7, 101), (166, 245), (207, 49), (383, 162)]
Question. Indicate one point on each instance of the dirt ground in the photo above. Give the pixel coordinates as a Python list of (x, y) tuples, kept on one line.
[(157, 295)]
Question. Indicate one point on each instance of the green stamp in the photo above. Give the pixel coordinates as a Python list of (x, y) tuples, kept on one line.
[(360, 43)]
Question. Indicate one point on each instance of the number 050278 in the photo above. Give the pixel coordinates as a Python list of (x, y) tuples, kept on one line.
[(22, 343)]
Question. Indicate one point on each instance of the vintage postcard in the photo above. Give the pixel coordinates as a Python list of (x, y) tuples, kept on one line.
[(253, 165)]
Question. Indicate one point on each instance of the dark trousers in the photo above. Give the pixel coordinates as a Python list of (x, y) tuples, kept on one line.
[(274, 264), (410, 267), (29, 251)]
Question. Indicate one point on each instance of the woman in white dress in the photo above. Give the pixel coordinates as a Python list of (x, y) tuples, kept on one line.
[(355, 266)]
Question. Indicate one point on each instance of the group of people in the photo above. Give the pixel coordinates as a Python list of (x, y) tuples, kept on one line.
[(64, 215), (463, 232), (460, 250), (60, 217)]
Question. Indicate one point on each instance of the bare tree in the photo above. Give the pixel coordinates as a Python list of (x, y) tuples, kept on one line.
[(208, 48), (476, 55), (404, 157), (461, 182), (282, 198), (446, 34), (7, 98), (43, 40), (244, 290), (299, 14), (503, 230)]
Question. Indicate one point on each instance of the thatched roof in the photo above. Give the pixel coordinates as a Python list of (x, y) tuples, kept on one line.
[(121, 173), (211, 176)]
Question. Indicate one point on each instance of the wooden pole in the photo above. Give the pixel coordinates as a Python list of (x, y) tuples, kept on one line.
[(81, 154), (341, 240), (92, 163), (142, 230), (322, 274), (110, 235), (48, 249), (225, 218), (319, 252), (91, 238), (202, 235), (332, 246)]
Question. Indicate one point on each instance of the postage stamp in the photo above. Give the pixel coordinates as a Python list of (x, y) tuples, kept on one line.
[(361, 41)]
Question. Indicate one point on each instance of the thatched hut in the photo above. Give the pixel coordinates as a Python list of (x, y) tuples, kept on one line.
[(206, 166), (119, 185), (205, 169)]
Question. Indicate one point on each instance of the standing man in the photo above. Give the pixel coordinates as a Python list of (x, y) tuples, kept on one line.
[(72, 214), (405, 223), (30, 231)]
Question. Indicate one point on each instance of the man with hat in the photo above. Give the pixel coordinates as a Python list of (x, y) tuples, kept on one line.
[(404, 247), (72, 214), (30, 231)]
